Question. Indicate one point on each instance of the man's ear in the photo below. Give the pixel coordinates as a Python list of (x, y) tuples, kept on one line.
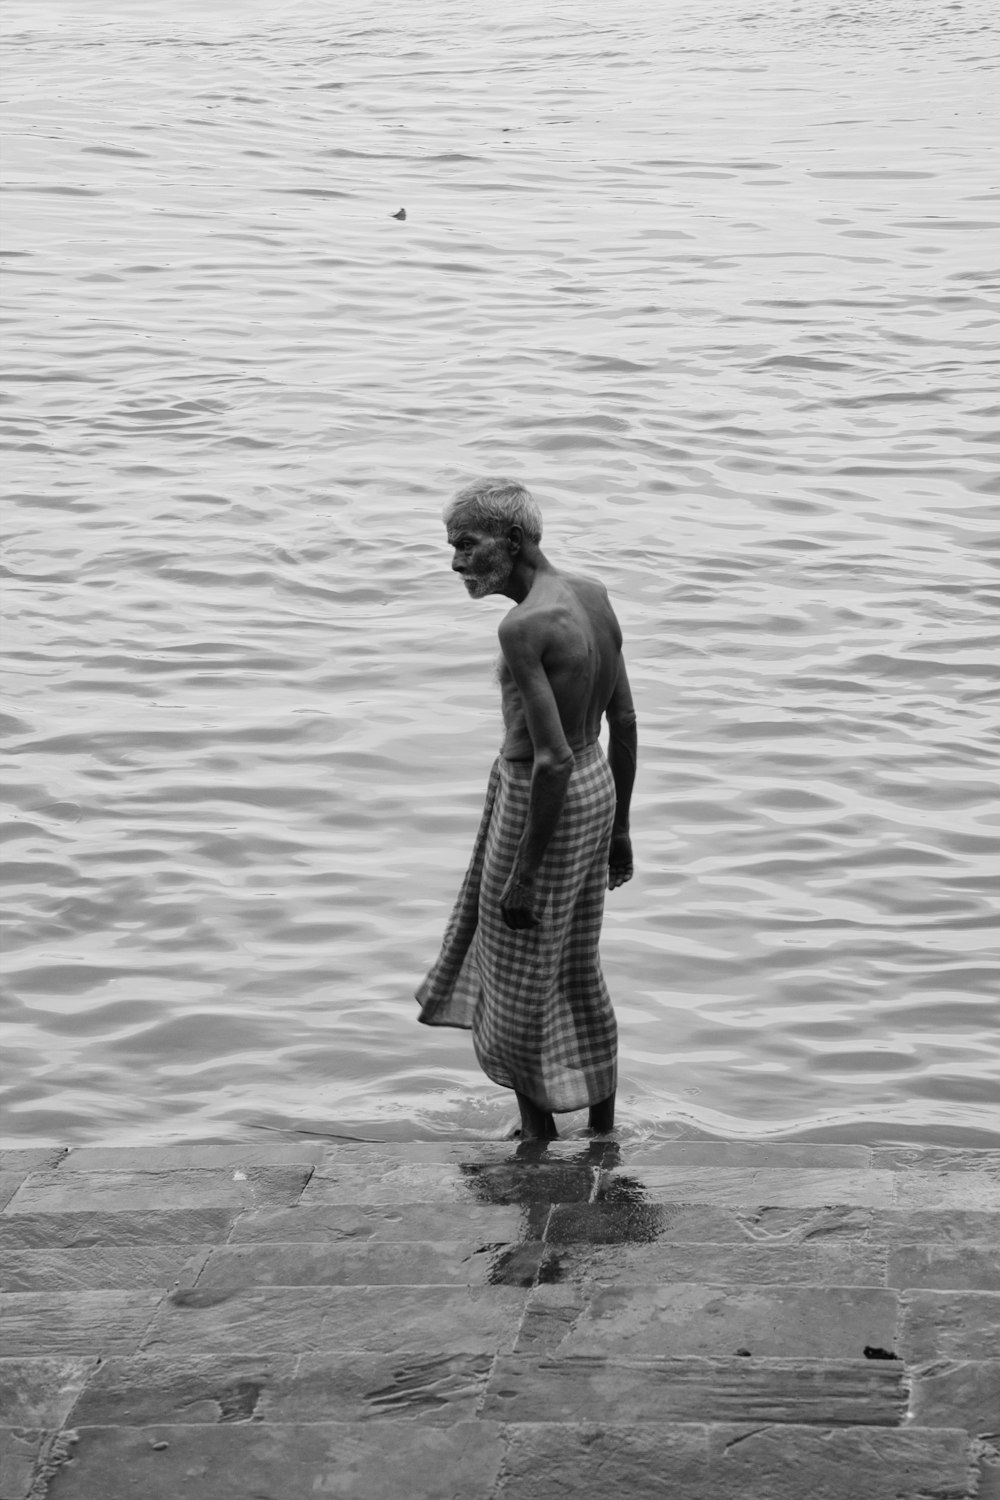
[(515, 540)]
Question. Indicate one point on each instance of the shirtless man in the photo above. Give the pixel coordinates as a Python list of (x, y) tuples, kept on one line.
[(561, 672)]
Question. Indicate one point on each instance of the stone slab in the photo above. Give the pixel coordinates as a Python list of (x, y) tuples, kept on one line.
[(593, 1388), (794, 1187), (332, 1387), (405, 1221), (780, 1264), (912, 1226), (637, 1221), (90, 1227), (949, 1325), (376, 1263), (770, 1462), (946, 1190), (407, 1182), (10, 1183), (691, 1319), (948, 1267), (234, 1461), (420, 1182), (746, 1154), (101, 1268), (183, 1156), (958, 1393), (36, 1323), (41, 1393), (31, 1159), (321, 1319), (28, 1460), (115, 1192), (936, 1159), (527, 1182), (449, 1153), (989, 1474)]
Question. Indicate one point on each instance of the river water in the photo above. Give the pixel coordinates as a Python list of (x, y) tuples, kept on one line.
[(719, 283)]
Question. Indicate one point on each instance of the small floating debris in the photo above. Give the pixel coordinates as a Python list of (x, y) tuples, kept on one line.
[(400, 215)]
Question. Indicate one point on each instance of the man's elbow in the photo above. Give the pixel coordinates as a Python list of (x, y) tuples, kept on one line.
[(555, 765), (623, 725)]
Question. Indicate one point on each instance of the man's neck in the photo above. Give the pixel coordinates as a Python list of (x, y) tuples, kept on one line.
[(529, 565)]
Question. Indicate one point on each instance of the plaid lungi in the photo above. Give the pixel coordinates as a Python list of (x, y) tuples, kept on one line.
[(535, 1000)]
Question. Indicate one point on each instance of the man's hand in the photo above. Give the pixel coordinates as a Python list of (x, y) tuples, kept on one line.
[(517, 901), (619, 860)]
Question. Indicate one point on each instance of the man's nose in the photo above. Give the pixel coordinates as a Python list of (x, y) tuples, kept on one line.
[(456, 566)]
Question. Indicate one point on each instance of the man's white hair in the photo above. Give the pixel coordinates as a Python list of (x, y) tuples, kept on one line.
[(494, 506)]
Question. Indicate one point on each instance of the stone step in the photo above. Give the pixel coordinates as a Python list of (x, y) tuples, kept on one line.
[(210, 1388), (487, 1460), (479, 1260), (350, 1179), (199, 1387)]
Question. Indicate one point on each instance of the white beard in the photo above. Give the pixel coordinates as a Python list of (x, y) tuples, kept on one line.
[(491, 582)]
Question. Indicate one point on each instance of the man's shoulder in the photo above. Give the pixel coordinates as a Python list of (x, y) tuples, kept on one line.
[(543, 618), (587, 587)]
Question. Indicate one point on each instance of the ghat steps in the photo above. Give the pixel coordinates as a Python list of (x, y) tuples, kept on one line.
[(473, 1320)]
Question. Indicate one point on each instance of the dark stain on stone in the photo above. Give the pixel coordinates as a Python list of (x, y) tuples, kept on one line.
[(624, 1190), (744, 1354), (608, 1223), (551, 1269), (515, 1265), (239, 1402), (873, 1352), (513, 1183), (192, 1296), (542, 1186)]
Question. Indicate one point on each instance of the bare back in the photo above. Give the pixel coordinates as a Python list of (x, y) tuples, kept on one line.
[(573, 629)]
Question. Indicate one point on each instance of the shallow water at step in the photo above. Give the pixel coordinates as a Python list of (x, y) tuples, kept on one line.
[(720, 287)]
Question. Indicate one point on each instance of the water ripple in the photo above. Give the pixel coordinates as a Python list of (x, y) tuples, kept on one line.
[(718, 284)]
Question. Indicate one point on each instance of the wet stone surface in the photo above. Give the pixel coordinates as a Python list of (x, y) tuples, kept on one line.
[(499, 1321)]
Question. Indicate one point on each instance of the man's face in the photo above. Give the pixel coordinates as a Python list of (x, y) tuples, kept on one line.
[(482, 561)]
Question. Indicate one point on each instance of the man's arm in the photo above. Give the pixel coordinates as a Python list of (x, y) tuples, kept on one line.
[(551, 771), (622, 752)]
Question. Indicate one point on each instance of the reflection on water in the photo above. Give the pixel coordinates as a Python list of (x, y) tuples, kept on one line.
[(718, 285)]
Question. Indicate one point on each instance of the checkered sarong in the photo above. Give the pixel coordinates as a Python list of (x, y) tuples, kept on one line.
[(535, 1000)]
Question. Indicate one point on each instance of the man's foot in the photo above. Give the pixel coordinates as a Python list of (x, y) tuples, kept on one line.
[(536, 1124), (601, 1118)]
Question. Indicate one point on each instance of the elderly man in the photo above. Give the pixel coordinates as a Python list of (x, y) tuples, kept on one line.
[(520, 964)]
